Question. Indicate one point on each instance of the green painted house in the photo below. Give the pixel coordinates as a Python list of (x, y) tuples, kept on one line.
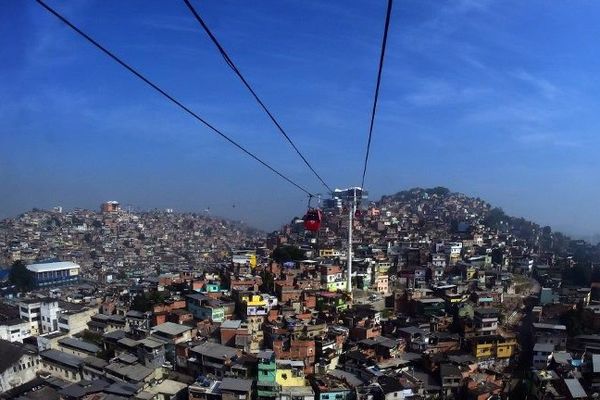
[(266, 385)]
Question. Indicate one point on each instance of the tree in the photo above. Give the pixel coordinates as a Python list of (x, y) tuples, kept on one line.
[(497, 255), (92, 337), (141, 303), (438, 190), (145, 302), (578, 275), (287, 253), (268, 281), (494, 218), (573, 320), (21, 277)]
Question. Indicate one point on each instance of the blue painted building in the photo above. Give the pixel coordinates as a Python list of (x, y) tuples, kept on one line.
[(54, 273)]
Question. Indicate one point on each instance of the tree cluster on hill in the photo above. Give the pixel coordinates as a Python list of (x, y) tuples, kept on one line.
[(21, 277), (287, 253), (145, 302)]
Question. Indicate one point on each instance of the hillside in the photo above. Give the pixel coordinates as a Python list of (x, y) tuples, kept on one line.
[(121, 241), (454, 211), (428, 219)]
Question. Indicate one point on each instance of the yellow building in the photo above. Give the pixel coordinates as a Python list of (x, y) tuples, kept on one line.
[(255, 300), (484, 348), (329, 253), (471, 272), (244, 258), (290, 373), (454, 298), (383, 267), (494, 347), (505, 347), (336, 285)]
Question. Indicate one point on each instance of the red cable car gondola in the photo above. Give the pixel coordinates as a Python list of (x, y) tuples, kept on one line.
[(312, 219)]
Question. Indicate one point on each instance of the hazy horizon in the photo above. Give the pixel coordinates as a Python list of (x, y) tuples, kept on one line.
[(232, 213), (496, 100)]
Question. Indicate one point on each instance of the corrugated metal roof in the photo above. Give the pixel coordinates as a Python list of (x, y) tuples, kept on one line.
[(596, 363), (52, 266), (575, 389), (79, 344)]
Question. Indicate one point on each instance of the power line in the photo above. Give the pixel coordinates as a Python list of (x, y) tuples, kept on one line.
[(168, 96), (235, 69), (381, 58)]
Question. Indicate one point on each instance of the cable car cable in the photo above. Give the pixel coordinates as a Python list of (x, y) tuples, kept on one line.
[(234, 68), (168, 96), (381, 59)]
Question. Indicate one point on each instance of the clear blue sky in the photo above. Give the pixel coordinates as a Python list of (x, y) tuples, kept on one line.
[(494, 99)]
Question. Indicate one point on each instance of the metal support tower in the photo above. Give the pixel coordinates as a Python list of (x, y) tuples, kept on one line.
[(352, 211)]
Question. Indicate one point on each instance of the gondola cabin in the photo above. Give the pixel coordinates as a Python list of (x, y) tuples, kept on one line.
[(312, 219)]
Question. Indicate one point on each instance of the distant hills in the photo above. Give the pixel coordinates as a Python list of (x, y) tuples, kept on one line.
[(428, 199)]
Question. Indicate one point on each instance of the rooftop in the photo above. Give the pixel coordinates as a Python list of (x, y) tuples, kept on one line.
[(11, 353), (540, 325), (168, 386), (171, 328), (596, 363), (79, 344), (545, 347), (231, 324), (236, 385), (215, 350), (52, 266), (61, 357), (575, 389), (134, 372), (449, 370)]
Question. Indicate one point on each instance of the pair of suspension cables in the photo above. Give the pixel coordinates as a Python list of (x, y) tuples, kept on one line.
[(244, 81)]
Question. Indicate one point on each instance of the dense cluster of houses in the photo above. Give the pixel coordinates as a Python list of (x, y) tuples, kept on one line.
[(444, 303)]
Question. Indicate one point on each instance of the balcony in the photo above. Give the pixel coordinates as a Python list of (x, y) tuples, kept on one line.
[(487, 328), (267, 389), (267, 393)]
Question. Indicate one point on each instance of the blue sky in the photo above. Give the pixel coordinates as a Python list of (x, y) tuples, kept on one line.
[(493, 99)]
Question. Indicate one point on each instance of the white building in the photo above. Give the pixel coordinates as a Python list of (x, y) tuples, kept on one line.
[(438, 260), (541, 355), (454, 249), (49, 316), (73, 322), (15, 330), (18, 365), (42, 314)]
